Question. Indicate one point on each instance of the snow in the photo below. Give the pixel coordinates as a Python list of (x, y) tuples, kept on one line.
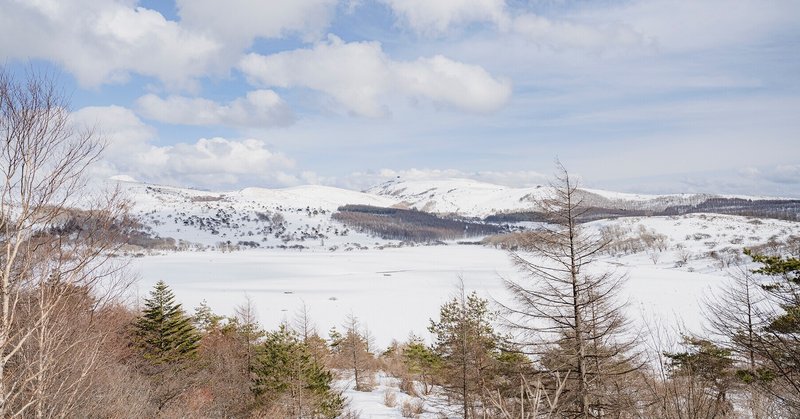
[(123, 178), (477, 199), (623, 196), (372, 405), (393, 291)]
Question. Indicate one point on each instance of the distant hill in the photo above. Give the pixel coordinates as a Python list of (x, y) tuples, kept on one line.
[(392, 214)]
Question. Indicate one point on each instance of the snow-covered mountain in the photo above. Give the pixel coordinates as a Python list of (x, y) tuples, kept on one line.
[(478, 199), (301, 217), (251, 217)]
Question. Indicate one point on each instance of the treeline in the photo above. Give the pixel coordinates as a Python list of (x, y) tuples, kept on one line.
[(767, 208), (410, 225), (161, 361), (781, 209), (591, 214)]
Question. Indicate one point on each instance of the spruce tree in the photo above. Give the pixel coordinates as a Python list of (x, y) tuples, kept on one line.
[(164, 333)]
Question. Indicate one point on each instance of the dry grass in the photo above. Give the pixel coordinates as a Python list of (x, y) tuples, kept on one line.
[(390, 398), (411, 408)]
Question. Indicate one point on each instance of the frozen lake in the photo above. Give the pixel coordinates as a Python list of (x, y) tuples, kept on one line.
[(392, 291)]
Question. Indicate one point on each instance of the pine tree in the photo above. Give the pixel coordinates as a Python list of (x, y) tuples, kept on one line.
[(704, 375), (204, 319), (164, 333), (776, 342), (466, 344), (290, 382), (421, 361)]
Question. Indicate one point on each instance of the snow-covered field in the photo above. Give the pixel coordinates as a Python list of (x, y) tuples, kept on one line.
[(297, 255), (396, 291), (393, 291)]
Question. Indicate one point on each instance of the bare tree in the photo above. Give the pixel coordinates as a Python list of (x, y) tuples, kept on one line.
[(566, 315), (55, 259), (734, 315), (246, 318), (351, 354)]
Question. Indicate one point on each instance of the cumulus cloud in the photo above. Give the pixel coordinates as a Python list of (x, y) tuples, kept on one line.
[(102, 41), (123, 132), (240, 21), (259, 108), (208, 162), (361, 77), (219, 162), (437, 17)]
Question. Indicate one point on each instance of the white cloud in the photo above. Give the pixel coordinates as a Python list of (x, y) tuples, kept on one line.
[(259, 108), (124, 133), (219, 162), (362, 78), (437, 17), (365, 180), (699, 25), (562, 34), (102, 41), (786, 173), (240, 21), (208, 162)]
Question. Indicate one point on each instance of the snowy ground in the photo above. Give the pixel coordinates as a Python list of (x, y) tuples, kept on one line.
[(373, 404), (393, 291)]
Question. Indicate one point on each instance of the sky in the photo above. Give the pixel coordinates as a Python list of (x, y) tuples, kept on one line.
[(647, 96)]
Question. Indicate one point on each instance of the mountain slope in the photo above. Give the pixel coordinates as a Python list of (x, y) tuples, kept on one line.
[(302, 217), (477, 199)]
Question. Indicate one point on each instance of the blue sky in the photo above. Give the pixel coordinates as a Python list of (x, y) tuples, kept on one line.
[(635, 95)]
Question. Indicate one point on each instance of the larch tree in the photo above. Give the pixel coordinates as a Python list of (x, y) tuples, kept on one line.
[(565, 313), (351, 353), (736, 316)]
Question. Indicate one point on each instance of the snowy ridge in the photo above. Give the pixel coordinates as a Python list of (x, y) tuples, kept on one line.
[(312, 195), (300, 217), (477, 199), (297, 217)]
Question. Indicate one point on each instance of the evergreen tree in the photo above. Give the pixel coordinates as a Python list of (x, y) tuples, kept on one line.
[(204, 319), (421, 361), (704, 375), (777, 344), (466, 344), (290, 382), (163, 332)]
